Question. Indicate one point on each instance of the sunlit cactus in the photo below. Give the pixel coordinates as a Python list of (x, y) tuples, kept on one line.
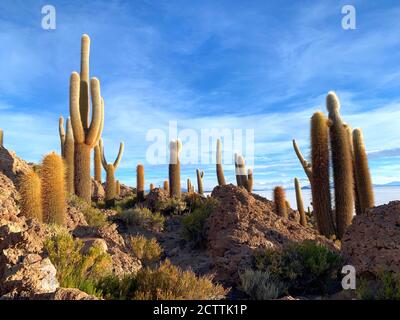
[(166, 185), (30, 189), (362, 173), (97, 163), (280, 202), (52, 175), (61, 132), (200, 175), (189, 185), (342, 166), (1, 138), (67, 151), (174, 169), (110, 169), (240, 170), (151, 186), (250, 181), (140, 182), (320, 187), (86, 134), (305, 164), (220, 169), (117, 188), (299, 202)]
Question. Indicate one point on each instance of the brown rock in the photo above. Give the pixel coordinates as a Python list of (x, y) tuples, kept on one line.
[(98, 192), (70, 294), (155, 197)]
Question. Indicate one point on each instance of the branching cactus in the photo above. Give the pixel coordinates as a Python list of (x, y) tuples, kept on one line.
[(174, 169), (250, 181), (67, 150), (52, 175), (30, 189), (321, 196), (86, 134), (140, 182), (110, 169), (299, 201), (363, 176), (166, 185), (241, 174), (305, 164), (342, 166), (280, 202), (220, 169), (200, 175)]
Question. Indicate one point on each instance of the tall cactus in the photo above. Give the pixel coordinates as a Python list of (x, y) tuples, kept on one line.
[(250, 181), (1, 138), (52, 175), (61, 133), (220, 169), (140, 182), (117, 188), (110, 169), (97, 163), (86, 134), (299, 201), (320, 189), (362, 173), (151, 186), (280, 202), (67, 151), (200, 175), (342, 166), (166, 185), (241, 174), (188, 185), (30, 189), (174, 169)]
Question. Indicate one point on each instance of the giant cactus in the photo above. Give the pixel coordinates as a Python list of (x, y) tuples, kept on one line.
[(67, 151), (280, 202), (342, 166), (363, 176), (30, 189), (86, 134), (140, 182), (320, 188), (220, 169), (299, 201), (200, 175), (174, 169), (52, 175), (110, 174), (97, 163)]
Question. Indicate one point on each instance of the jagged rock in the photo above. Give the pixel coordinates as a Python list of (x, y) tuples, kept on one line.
[(70, 294), (243, 222), (155, 197), (11, 165), (98, 192), (8, 200), (95, 242), (75, 218), (372, 243)]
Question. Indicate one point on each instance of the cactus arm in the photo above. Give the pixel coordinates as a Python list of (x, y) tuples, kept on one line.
[(79, 133), (69, 133), (306, 165), (118, 159), (84, 81), (101, 123), (103, 157), (97, 113)]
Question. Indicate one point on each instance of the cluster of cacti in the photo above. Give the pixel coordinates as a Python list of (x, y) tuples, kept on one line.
[(242, 177), (110, 174), (174, 169), (140, 182), (280, 202), (67, 152), (200, 175), (86, 133), (299, 202), (220, 170), (351, 177)]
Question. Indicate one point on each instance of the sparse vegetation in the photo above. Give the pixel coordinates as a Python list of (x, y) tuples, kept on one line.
[(260, 285), (143, 217), (385, 286), (93, 216), (146, 250)]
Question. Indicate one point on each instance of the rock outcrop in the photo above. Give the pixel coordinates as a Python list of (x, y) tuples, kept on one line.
[(156, 197)]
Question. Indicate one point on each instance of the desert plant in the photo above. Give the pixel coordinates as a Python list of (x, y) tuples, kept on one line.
[(140, 182), (220, 169), (86, 135), (52, 175), (97, 163), (166, 186), (188, 185), (299, 201), (280, 202), (200, 175), (305, 164), (383, 286), (146, 250), (151, 188), (260, 285), (93, 216), (172, 206), (240, 171), (30, 189), (117, 188), (67, 151), (174, 169), (362, 174), (110, 174), (320, 188), (250, 181), (144, 218), (1, 138)]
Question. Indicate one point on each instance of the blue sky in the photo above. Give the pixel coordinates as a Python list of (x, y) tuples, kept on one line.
[(258, 65)]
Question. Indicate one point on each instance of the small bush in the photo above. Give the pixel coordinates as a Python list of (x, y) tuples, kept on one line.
[(194, 201), (172, 206), (304, 268), (146, 250), (75, 270), (93, 216), (115, 288), (385, 286), (194, 223), (143, 217), (261, 285)]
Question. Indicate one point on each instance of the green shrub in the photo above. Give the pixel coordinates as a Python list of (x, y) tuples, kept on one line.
[(115, 288), (194, 201), (170, 206), (385, 286), (74, 269), (260, 285), (144, 218), (304, 268), (146, 250), (93, 216), (194, 223)]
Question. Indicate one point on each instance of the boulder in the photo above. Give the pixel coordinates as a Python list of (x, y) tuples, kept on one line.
[(155, 198), (98, 193)]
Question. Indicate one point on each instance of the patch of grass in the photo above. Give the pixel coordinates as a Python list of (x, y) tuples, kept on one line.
[(304, 268), (143, 217), (385, 286), (93, 216), (171, 206), (260, 285), (74, 269), (146, 250)]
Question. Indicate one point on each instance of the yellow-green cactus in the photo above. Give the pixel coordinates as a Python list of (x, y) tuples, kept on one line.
[(174, 169), (97, 163), (299, 201), (67, 150), (30, 189), (166, 185), (140, 182), (117, 188), (280, 202), (200, 175)]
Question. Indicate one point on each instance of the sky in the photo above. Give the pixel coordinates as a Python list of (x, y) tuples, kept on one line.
[(265, 66)]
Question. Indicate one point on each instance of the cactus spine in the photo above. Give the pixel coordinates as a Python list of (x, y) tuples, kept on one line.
[(86, 135), (174, 169), (299, 201), (280, 202), (140, 182), (220, 169), (250, 180), (320, 188), (67, 150), (110, 169), (166, 186), (30, 189), (362, 173), (53, 189), (200, 175), (342, 166)]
